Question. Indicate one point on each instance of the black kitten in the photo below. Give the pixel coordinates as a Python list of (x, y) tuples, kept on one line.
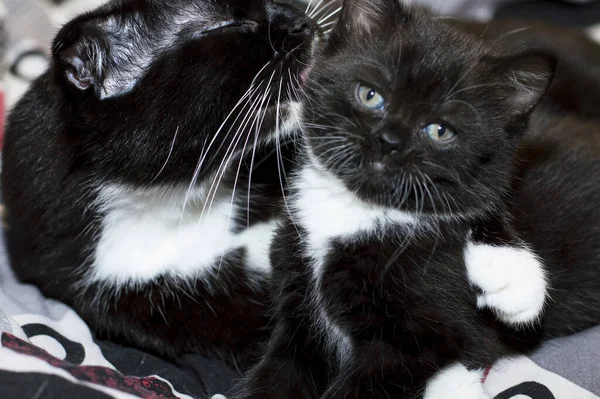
[(414, 135), (127, 169)]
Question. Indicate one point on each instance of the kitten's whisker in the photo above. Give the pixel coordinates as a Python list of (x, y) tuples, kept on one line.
[(339, 157), (405, 190), (428, 192), (322, 155), (437, 191), (448, 97), (450, 92), (348, 159), (326, 138), (168, 157), (466, 104), (420, 187), (397, 253)]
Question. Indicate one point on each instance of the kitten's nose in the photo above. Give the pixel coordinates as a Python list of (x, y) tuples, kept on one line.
[(390, 143)]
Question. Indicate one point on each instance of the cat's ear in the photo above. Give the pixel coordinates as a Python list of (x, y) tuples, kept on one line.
[(79, 54), (90, 59), (526, 77), (362, 17)]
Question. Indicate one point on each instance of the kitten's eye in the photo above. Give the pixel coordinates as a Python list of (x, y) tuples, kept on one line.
[(439, 132), (370, 98)]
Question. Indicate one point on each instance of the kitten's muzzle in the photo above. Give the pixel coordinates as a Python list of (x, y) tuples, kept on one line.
[(390, 143)]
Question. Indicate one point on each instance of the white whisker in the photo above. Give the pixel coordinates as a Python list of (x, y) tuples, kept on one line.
[(201, 161), (331, 14), (316, 9), (168, 156)]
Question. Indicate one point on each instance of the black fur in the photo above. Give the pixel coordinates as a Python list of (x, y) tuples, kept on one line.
[(107, 112), (408, 310)]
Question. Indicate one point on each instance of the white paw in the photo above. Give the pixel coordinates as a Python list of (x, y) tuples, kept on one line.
[(456, 381), (218, 396), (512, 279)]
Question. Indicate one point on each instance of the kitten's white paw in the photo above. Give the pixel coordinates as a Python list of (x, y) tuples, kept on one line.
[(512, 279), (218, 396), (456, 381)]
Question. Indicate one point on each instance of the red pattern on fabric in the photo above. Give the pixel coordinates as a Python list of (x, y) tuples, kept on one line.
[(144, 387), (486, 373)]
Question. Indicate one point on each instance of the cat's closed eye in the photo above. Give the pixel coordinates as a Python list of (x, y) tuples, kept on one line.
[(230, 24), (369, 97), (439, 132)]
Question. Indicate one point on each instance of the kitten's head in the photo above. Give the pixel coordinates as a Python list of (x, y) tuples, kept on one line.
[(409, 113), (150, 81)]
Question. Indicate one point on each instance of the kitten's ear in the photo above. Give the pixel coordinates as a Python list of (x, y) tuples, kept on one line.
[(361, 17), (79, 54), (526, 78)]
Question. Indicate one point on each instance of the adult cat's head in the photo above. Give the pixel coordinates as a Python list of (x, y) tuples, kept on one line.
[(409, 113), (149, 83)]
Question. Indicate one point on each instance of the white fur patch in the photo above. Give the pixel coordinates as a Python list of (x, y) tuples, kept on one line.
[(327, 210), (456, 381), (512, 279), (146, 234)]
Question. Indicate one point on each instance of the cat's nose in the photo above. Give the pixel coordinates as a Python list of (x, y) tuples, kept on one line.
[(303, 28), (290, 21), (390, 143)]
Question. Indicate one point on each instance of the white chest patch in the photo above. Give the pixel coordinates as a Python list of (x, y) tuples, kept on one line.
[(146, 234), (327, 210)]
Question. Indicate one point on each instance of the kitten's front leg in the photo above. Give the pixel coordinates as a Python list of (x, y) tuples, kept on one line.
[(292, 368), (381, 371), (511, 276)]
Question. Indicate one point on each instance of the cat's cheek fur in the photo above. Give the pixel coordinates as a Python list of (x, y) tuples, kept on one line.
[(456, 381), (512, 280), (145, 235)]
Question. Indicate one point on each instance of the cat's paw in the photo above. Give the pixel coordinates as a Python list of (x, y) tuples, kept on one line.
[(512, 279), (456, 381)]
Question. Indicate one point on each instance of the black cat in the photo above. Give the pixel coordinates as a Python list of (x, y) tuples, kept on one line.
[(422, 172), (127, 169)]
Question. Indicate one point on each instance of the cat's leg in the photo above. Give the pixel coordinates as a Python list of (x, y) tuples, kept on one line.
[(292, 368), (510, 275)]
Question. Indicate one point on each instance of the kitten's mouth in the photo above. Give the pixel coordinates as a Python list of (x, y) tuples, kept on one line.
[(304, 76)]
